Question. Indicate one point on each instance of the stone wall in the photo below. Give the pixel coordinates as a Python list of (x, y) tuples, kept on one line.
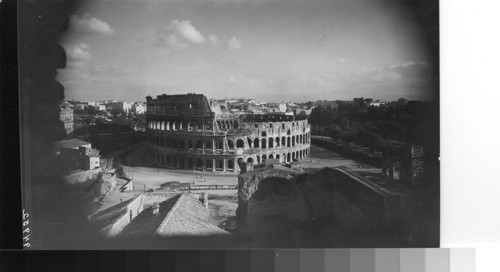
[(132, 210), (249, 185), (330, 195), (261, 211), (82, 176)]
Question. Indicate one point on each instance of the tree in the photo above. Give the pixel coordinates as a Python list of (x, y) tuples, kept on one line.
[(117, 112), (335, 132), (344, 122), (402, 102)]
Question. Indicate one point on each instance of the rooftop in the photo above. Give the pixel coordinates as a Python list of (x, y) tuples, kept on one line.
[(71, 143), (181, 215)]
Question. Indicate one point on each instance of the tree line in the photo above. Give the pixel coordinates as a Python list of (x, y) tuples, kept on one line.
[(371, 126)]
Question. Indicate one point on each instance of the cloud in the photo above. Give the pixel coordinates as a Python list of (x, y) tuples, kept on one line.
[(78, 51), (387, 76), (234, 43), (87, 23), (106, 69), (407, 64), (180, 34), (402, 73), (77, 54), (408, 70), (212, 39)]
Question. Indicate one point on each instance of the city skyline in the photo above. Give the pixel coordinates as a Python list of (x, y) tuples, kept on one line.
[(226, 98), (268, 50)]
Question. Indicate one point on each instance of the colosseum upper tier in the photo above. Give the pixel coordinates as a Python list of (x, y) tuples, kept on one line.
[(186, 132)]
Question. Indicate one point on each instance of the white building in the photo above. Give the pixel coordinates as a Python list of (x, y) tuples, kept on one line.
[(66, 116), (139, 108), (282, 107)]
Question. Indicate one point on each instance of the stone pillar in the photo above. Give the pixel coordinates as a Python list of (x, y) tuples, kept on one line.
[(214, 165), (224, 162)]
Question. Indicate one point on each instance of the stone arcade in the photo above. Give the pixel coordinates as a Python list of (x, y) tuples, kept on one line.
[(185, 132)]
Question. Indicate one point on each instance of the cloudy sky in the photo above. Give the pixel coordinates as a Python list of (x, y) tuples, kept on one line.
[(275, 50)]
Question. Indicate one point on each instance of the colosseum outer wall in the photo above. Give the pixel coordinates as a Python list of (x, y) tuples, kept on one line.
[(183, 132)]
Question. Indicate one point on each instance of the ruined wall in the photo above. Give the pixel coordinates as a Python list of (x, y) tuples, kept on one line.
[(329, 195), (260, 213), (83, 176), (260, 183), (132, 211), (332, 195)]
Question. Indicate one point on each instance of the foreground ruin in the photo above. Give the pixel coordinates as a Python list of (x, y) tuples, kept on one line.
[(313, 209)]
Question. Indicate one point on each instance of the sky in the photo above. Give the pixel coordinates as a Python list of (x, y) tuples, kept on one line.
[(269, 50)]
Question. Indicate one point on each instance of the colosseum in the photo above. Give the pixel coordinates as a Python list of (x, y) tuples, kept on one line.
[(185, 131)]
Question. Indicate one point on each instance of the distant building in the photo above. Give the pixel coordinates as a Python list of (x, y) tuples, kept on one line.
[(122, 106), (258, 111), (249, 101), (71, 143), (82, 158), (403, 161), (377, 104), (139, 108), (282, 107), (216, 108), (305, 111), (79, 106), (66, 116), (99, 107), (75, 153)]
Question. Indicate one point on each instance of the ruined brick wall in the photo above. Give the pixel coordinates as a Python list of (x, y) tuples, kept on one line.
[(326, 196), (351, 205), (250, 183)]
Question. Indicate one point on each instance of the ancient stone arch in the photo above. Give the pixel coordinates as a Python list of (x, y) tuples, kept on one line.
[(256, 142), (240, 143)]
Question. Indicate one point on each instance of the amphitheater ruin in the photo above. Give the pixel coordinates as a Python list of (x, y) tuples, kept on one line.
[(187, 132)]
